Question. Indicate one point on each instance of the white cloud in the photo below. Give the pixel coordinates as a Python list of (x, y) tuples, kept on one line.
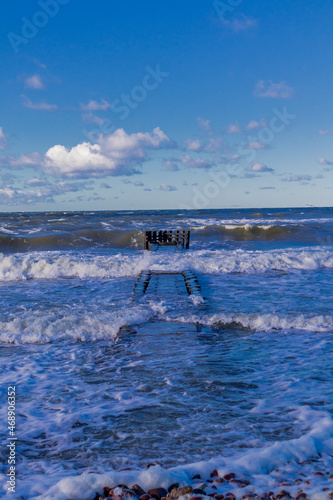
[(253, 124), (260, 167), (323, 161), (276, 90), (297, 178), (91, 118), (194, 145), (205, 124), (42, 106), (40, 192), (171, 165), (323, 132), (103, 105), (189, 162), (234, 128), (167, 187), (114, 154), (214, 145), (36, 182), (267, 187), (34, 82)]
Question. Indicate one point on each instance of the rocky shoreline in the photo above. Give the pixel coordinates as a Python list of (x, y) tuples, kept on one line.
[(224, 487)]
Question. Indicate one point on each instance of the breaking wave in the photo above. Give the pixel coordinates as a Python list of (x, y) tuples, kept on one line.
[(52, 265)]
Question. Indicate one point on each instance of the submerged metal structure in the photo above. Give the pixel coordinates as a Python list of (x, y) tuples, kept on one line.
[(178, 238), (188, 279)]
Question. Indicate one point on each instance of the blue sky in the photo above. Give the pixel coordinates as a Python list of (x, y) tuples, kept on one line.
[(110, 105)]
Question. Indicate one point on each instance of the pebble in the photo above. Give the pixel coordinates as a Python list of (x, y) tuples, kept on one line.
[(177, 492), (240, 482), (282, 494), (230, 496), (123, 492), (138, 490), (173, 486), (229, 476), (158, 493)]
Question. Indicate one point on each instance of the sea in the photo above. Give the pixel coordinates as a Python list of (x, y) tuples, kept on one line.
[(236, 376)]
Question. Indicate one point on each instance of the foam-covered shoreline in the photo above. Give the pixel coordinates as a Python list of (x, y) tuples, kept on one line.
[(299, 468)]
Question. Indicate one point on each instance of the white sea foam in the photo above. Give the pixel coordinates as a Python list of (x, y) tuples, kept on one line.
[(52, 265), (262, 322), (54, 325)]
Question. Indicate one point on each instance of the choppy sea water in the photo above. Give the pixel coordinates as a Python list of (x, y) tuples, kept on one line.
[(239, 377)]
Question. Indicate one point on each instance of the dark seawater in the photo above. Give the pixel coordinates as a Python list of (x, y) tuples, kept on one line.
[(238, 375)]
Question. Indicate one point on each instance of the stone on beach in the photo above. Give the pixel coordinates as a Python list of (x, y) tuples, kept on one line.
[(138, 490), (178, 492), (229, 476), (157, 493)]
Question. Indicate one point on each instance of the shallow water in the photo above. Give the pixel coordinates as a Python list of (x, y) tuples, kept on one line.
[(107, 378)]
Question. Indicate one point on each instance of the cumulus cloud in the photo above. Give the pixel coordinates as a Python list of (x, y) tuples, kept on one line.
[(214, 145), (276, 90), (323, 161), (34, 82), (233, 128), (167, 187), (103, 105), (194, 145), (253, 124), (118, 153), (189, 162), (260, 167), (42, 106), (171, 165)]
